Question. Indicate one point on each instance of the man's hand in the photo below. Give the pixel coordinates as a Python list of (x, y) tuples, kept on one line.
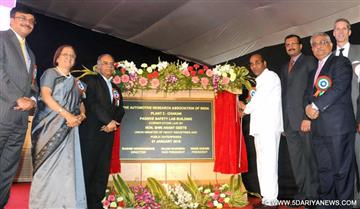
[(24, 104), (110, 127), (241, 106), (305, 125), (311, 112)]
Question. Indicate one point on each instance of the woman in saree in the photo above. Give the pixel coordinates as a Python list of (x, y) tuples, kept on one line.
[(58, 180)]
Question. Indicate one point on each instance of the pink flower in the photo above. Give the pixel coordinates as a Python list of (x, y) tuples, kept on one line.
[(186, 73), (106, 203), (195, 79), (196, 66), (116, 79), (125, 78), (190, 68), (209, 72), (205, 67), (111, 198), (225, 80), (143, 81), (192, 73), (204, 82), (155, 83), (201, 71)]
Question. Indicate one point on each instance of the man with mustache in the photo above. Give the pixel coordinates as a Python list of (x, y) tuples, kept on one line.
[(18, 90), (294, 78)]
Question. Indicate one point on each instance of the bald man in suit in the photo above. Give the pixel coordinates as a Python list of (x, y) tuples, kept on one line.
[(18, 92)]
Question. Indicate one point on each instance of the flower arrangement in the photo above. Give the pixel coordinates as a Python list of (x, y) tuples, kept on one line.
[(185, 195), (112, 200), (172, 77)]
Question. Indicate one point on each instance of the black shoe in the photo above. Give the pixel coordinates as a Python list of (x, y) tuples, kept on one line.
[(261, 206)]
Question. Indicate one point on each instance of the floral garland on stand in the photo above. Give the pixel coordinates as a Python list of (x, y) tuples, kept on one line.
[(173, 77)]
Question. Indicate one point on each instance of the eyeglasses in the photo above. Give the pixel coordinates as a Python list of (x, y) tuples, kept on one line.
[(23, 19), (320, 43), (291, 44), (68, 55), (108, 63)]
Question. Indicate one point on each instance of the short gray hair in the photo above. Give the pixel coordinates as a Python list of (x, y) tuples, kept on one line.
[(320, 34), (101, 56)]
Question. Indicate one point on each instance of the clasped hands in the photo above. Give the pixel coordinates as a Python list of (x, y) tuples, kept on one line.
[(74, 120), (110, 127), (311, 112)]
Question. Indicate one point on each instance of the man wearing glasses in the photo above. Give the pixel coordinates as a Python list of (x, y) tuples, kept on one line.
[(104, 111), (294, 79), (18, 91), (333, 122)]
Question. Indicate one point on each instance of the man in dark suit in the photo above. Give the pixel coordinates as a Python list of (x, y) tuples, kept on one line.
[(294, 78), (342, 32), (333, 123), (104, 110), (17, 94)]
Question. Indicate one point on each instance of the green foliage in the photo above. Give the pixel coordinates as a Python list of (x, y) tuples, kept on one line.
[(123, 189)]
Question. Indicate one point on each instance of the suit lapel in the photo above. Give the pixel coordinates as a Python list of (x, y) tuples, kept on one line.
[(16, 43)]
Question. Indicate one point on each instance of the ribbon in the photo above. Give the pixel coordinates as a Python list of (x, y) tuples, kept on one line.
[(116, 97), (322, 84)]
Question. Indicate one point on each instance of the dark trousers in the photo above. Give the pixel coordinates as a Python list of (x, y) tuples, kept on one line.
[(303, 165), (11, 143), (96, 156), (335, 158)]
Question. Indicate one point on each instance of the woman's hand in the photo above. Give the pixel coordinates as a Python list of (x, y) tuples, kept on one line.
[(72, 120)]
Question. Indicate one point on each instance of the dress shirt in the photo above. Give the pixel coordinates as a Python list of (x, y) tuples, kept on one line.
[(108, 83)]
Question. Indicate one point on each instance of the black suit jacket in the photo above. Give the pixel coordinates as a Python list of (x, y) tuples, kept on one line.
[(99, 109), (293, 91), (335, 106)]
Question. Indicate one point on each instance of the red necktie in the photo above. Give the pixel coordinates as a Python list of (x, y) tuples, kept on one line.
[(291, 64)]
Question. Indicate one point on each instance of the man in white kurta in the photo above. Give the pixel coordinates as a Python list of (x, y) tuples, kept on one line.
[(266, 125)]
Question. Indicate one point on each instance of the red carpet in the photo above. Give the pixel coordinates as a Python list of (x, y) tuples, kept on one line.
[(19, 198)]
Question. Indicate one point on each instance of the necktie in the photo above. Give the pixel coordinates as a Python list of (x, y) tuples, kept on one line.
[(24, 53), (341, 52), (291, 64), (320, 65)]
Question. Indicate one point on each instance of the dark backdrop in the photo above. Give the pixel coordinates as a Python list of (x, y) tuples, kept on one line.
[(49, 33)]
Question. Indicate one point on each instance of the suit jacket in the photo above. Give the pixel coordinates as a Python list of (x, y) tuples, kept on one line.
[(15, 80), (265, 106), (335, 106), (293, 91), (354, 55), (99, 109)]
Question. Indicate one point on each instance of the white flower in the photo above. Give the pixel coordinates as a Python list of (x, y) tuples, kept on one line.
[(227, 199), (153, 66), (201, 189), (184, 66), (224, 74), (207, 191), (232, 76), (140, 72), (219, 205), (162, 65), (119, 199), (149, 69), (143, 65), (222, 195), (211, 194)]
